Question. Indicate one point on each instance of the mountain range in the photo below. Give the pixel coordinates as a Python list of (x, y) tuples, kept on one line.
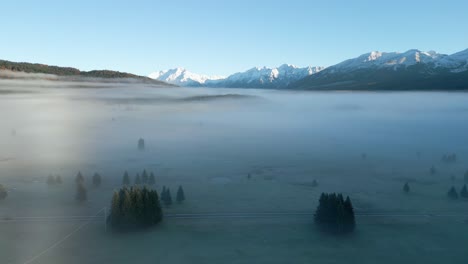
[(410, 70)]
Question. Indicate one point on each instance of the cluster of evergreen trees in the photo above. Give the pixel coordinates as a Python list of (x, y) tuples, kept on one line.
[(145, 179), (52, 180), (133, 208), (3, 192), (166, 196), (335, 214), (453, 194)]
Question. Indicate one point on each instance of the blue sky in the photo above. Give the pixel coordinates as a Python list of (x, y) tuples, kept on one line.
[(223, 37)]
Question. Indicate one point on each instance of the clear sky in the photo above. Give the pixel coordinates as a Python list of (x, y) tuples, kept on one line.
[(223, 36)]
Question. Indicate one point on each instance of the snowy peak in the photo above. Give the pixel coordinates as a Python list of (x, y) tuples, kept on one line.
[(377, 59), (182, 77), (257, 77)]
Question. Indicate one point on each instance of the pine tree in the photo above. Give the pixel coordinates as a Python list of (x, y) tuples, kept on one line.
[(79, 178), (51, 180), (141, 144), (126, 179), (115, 215), (335, 214), (97, 180), (144, 177), (168, 198), (180, 195), (452, 193), (137, 179), (406, 188), (466, 177), (151, 180), (163, 194), (433, 170), (464, 192), (58, 179), (3, 192), (81, 192)]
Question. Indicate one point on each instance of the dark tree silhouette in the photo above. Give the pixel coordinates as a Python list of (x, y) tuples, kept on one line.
[(180, 195), (81, 192), (168, 198), (144, 177), (334, 214), (249, 176), (134, 208), (464, 192), (466, 177), (432, 170), (58, 179), (126, 179), (3, 192), (79, 178), (151, 180), (137, 179), (452, 193), (97, 180), (141, 144), (406, 188)]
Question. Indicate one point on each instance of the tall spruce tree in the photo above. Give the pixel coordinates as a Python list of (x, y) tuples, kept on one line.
[(334, 214), (180, 195), (168, 198), (126, 179), (452, 193)]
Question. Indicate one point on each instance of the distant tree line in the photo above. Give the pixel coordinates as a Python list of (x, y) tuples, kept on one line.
[(134, 208), (52, 180), (449, 158), (335, 214), (145, 178)]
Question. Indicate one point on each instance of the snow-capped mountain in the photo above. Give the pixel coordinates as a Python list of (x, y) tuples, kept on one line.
[(413, 69), (265, 77), (182, 77), (256, 77)]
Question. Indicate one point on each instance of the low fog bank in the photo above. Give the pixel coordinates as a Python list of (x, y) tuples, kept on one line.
[(10, 78)]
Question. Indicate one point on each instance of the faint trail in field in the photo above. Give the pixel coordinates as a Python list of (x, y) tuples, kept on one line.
[(61, 240)]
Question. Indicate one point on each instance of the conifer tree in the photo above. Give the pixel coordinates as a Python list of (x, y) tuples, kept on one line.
[(151, 180), (433, 170), (168, 198), (141, 144), (115, 213), (452, 193), (79, 178), (144, 177), (163, 194), (81, 192), (464, 192), (406, 188), (3, 192), (137, 179), (466, 176), (97, 180), (335, 214), (180, 195), (126, 179)]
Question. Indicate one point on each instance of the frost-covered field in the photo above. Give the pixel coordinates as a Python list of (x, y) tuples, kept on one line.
[(209, 140)]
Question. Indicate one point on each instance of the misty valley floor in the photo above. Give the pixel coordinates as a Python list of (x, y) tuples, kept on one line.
[(285, 140)]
